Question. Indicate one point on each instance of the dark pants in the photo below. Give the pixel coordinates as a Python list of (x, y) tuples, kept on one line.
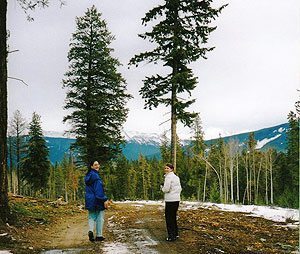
[(171, 220)]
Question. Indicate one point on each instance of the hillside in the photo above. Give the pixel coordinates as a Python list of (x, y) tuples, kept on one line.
[(272, 137), (148, 144)]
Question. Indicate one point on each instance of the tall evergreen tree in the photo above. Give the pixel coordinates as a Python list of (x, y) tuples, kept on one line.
[(252, 170), (27, 6), (196, 165), (197, 143), (165, 148), (292, 170), (180, 35), (18, 127), (96, 90), (36, 164)]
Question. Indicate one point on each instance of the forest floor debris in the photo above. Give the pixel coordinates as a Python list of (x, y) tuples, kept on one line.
[(135, 227)]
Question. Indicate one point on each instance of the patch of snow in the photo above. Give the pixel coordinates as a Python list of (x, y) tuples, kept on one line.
[(142, 138), (142, 202), (53, 134), (261, 143), (5, 252), (276, 214)]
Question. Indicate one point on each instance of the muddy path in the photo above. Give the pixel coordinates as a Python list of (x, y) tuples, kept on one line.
[(140, 228), (129, 228)]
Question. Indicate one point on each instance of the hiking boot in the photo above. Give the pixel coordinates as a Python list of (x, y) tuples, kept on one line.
[(91, 236), (99, 238), (171, 239)]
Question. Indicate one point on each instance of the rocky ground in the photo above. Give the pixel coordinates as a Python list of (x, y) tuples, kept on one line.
[(41, 226)]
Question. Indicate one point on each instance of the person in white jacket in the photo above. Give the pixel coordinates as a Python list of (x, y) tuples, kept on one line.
[(172, 190)]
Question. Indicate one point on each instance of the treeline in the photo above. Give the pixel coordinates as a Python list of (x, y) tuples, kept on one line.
[(222, 172), (96, 100)]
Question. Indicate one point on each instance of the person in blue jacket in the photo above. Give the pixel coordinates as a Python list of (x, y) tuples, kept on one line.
[(95, 201)]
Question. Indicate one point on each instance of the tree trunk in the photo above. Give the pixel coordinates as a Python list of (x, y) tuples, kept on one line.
[(254, 178), (266, 191), (173, 129), (18, 144), (174, 91), (66, 192), (250, 180), (11, 164), (221, 181), (204, 185), (199, 190), (271, 179), (4, 208), (237, 180), (231, 178), (258, 176), (225, 178)]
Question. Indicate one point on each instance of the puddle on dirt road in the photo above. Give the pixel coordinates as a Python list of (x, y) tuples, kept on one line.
[(67, 251), (126, 248), (120, 248), (131, 241)]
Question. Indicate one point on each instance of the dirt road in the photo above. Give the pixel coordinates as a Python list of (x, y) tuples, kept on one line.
[(129, 228), (140, 228)]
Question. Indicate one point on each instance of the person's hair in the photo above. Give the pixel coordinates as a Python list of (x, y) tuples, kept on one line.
[(170, 166), (91, 163)]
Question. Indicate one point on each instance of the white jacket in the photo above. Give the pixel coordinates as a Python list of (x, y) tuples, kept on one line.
[(172, 187)]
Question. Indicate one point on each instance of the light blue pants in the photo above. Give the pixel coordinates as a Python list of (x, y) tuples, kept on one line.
[(96, 217)]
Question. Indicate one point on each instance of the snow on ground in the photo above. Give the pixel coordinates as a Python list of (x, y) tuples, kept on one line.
[(261, 143), (273, 213)]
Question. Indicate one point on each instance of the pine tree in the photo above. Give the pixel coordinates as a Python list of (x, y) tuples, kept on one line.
[(197, 144), (132, 179), (36, 164), (121, 174), (180, 35), (18, 126), (291, 188), (96, 91), (27, 6), (164, 148), (144, 170), (252, 170)]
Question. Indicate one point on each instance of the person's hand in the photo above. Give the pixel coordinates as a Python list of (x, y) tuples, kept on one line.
[(106, 204)]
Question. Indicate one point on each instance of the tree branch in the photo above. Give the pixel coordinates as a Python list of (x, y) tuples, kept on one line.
[(164, 122), (16, 50), (21, 80)]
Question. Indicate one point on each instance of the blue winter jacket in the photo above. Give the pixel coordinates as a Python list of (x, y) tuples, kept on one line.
[(94, 192)]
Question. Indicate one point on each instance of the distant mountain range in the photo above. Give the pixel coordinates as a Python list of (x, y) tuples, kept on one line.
[(148, 144)]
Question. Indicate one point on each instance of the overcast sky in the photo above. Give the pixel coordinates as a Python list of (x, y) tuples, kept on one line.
[(247, 83)]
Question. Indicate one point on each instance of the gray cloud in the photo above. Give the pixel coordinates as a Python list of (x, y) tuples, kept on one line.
[(248, 82)]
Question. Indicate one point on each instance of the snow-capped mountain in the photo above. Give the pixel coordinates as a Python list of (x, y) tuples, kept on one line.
[(142, 138), (272, 137), (147, 144)]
